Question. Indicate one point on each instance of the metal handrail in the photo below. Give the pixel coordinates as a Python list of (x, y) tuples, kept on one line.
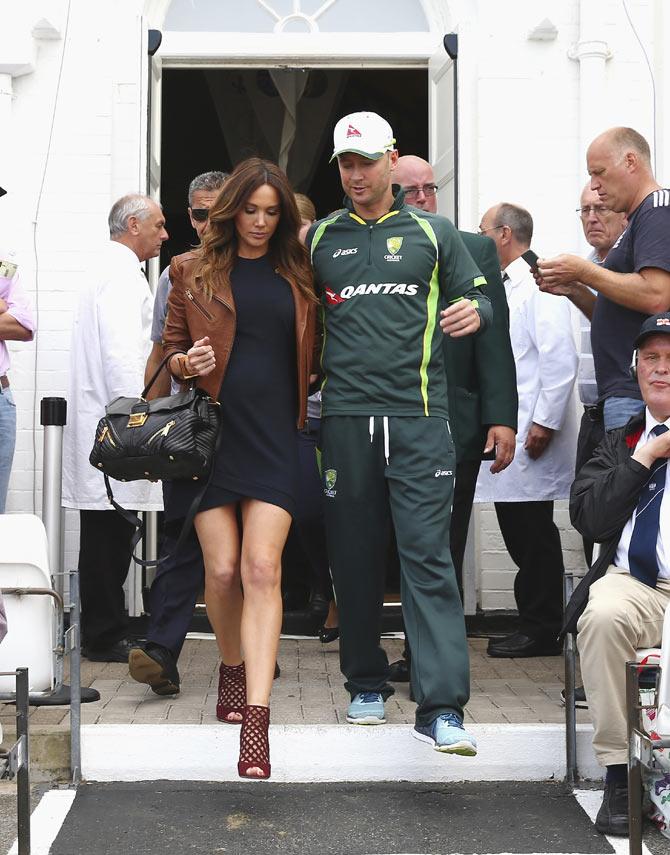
[(18, 758)]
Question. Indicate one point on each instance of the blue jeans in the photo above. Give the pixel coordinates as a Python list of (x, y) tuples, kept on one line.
[(7, 441), (618, 411)]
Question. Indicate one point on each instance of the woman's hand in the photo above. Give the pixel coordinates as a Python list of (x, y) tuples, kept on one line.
[(201, 359)]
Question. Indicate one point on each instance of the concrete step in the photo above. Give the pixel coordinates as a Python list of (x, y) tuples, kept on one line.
[(315, 753)]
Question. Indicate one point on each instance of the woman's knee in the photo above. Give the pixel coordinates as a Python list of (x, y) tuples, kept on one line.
[(261, 572), (222, 577)]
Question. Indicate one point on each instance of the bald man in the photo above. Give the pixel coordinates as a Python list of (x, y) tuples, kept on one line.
[(480, 373), (634, 280)]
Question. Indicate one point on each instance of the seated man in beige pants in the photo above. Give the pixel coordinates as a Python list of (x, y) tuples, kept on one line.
[(619, 500)]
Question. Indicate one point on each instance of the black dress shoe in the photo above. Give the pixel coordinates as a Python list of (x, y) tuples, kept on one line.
[(114, 653), (155, 665), (328, 634), (318, 606), (520, 645), (399, 671), (580, 698), (612, 817)]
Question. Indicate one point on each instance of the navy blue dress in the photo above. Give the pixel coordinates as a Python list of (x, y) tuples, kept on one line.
[(258, 455)]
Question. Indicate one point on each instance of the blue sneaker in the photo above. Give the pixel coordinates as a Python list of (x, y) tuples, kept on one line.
[(446, 733), (366, 708)]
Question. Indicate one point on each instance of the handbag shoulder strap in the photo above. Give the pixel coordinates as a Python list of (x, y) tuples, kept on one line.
[(138, 524), (154, 377)]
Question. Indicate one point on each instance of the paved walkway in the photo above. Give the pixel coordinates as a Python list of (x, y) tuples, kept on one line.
[(310, 691)]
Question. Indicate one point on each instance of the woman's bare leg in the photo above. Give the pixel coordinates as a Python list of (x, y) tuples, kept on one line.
[(265, 530), (220, 542)]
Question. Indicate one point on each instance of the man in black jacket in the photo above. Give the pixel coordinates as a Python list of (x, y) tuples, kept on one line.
[(619, 500)]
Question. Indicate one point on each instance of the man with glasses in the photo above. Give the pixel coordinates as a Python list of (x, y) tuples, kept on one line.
[(480, 375), (602, 227), (181, 575), (633, 281), (524, 494)]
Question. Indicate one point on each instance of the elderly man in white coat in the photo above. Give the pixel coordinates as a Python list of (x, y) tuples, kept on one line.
[(110, 344), (546, 365)]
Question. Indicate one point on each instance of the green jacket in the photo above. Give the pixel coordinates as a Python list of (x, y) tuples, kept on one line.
[(480, 368), (382, 286)]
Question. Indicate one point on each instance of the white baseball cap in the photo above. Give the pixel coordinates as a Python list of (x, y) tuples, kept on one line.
[(366, 134)]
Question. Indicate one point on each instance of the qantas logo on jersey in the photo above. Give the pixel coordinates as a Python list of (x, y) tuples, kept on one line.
[(384, 288)]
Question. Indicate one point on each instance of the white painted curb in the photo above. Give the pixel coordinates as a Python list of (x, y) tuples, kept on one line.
[(314, 753)]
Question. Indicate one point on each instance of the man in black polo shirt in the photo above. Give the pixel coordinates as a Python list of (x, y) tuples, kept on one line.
[(634, 280)]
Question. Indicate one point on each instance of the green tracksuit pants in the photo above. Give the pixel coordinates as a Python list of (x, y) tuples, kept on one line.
[(400, 468)]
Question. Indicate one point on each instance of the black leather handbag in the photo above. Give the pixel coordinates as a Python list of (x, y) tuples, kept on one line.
[(164, 439)]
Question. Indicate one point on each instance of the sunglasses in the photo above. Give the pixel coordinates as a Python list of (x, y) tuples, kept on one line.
[(200, 214)]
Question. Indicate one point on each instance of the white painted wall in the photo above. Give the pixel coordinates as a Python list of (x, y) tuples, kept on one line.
[(520, 141)]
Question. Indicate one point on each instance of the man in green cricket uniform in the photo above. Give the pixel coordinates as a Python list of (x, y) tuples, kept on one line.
[(392, 280)]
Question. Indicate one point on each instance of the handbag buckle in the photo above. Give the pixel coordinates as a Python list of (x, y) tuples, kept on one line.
[(137, 419)]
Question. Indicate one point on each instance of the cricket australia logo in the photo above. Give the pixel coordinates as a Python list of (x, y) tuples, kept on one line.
[(329, 480), (393, 245)]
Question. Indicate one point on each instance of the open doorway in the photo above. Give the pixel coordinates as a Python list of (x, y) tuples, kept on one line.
[(213, 118)]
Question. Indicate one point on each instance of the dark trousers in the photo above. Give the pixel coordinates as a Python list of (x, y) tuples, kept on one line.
[(464, 494), (534, 544), (309, 522), (174, 591), (591, 434), (363, 492), (104, 559), (179, 579)]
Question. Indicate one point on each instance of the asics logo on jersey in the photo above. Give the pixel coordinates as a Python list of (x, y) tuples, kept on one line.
[(384, 288), (339, 252), (440, 473)]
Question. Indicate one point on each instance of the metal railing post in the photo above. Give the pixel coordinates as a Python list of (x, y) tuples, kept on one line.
[(53, 416), (23, 772)]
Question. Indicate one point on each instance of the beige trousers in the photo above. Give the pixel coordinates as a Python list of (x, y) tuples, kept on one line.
[(621, 616)]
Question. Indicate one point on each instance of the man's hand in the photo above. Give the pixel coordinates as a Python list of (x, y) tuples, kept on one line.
[(502, 438), (537, 440), (652, 450), (562, 270), (460, 319), (201, 357)]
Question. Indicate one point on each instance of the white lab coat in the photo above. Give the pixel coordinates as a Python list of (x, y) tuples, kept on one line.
[(546, 366), (110, 345)]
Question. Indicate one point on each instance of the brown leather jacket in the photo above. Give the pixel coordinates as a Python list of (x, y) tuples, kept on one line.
[(191, 316)]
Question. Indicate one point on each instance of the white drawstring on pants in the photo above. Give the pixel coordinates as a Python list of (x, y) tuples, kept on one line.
[(387, 435)]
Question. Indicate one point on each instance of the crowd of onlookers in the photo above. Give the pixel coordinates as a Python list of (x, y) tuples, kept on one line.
[(475, 333)]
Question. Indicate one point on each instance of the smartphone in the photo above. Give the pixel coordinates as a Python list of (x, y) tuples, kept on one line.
[(530, 258)]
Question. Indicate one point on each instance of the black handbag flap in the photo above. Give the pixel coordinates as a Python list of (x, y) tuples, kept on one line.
[(127, 406)]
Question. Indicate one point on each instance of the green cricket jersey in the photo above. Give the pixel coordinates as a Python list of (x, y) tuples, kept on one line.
[(382, 286)]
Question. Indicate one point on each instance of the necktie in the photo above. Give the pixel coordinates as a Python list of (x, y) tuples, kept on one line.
[(642, 549), (505, 277)]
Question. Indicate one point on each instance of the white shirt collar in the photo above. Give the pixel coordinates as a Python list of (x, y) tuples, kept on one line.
[(124, 252), (650, 423)]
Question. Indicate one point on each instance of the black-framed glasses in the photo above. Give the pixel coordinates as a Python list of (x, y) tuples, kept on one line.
[(426, 189), (598, 210), (200, 214), (490, 229)]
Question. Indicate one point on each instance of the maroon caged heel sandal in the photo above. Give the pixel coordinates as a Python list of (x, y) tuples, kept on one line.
[(254, 742), (232, 697)]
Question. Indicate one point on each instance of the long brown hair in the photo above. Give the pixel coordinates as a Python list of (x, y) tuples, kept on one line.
[(219, 242)]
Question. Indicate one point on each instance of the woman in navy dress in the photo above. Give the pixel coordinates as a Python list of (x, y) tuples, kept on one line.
[(241, 320)]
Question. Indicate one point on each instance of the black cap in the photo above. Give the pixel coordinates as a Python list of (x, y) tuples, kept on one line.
[(655, 325)]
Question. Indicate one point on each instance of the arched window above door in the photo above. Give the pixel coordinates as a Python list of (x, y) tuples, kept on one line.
[(296, 16)]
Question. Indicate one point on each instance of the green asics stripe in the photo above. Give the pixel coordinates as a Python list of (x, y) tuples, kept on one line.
[(431, 311), (318, 234)]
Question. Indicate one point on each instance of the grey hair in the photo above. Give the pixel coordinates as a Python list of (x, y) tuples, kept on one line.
[(517, 219), (132, 205), (209, 181)]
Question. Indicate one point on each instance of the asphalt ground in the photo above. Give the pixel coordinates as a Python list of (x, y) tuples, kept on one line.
[(327, 819)]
